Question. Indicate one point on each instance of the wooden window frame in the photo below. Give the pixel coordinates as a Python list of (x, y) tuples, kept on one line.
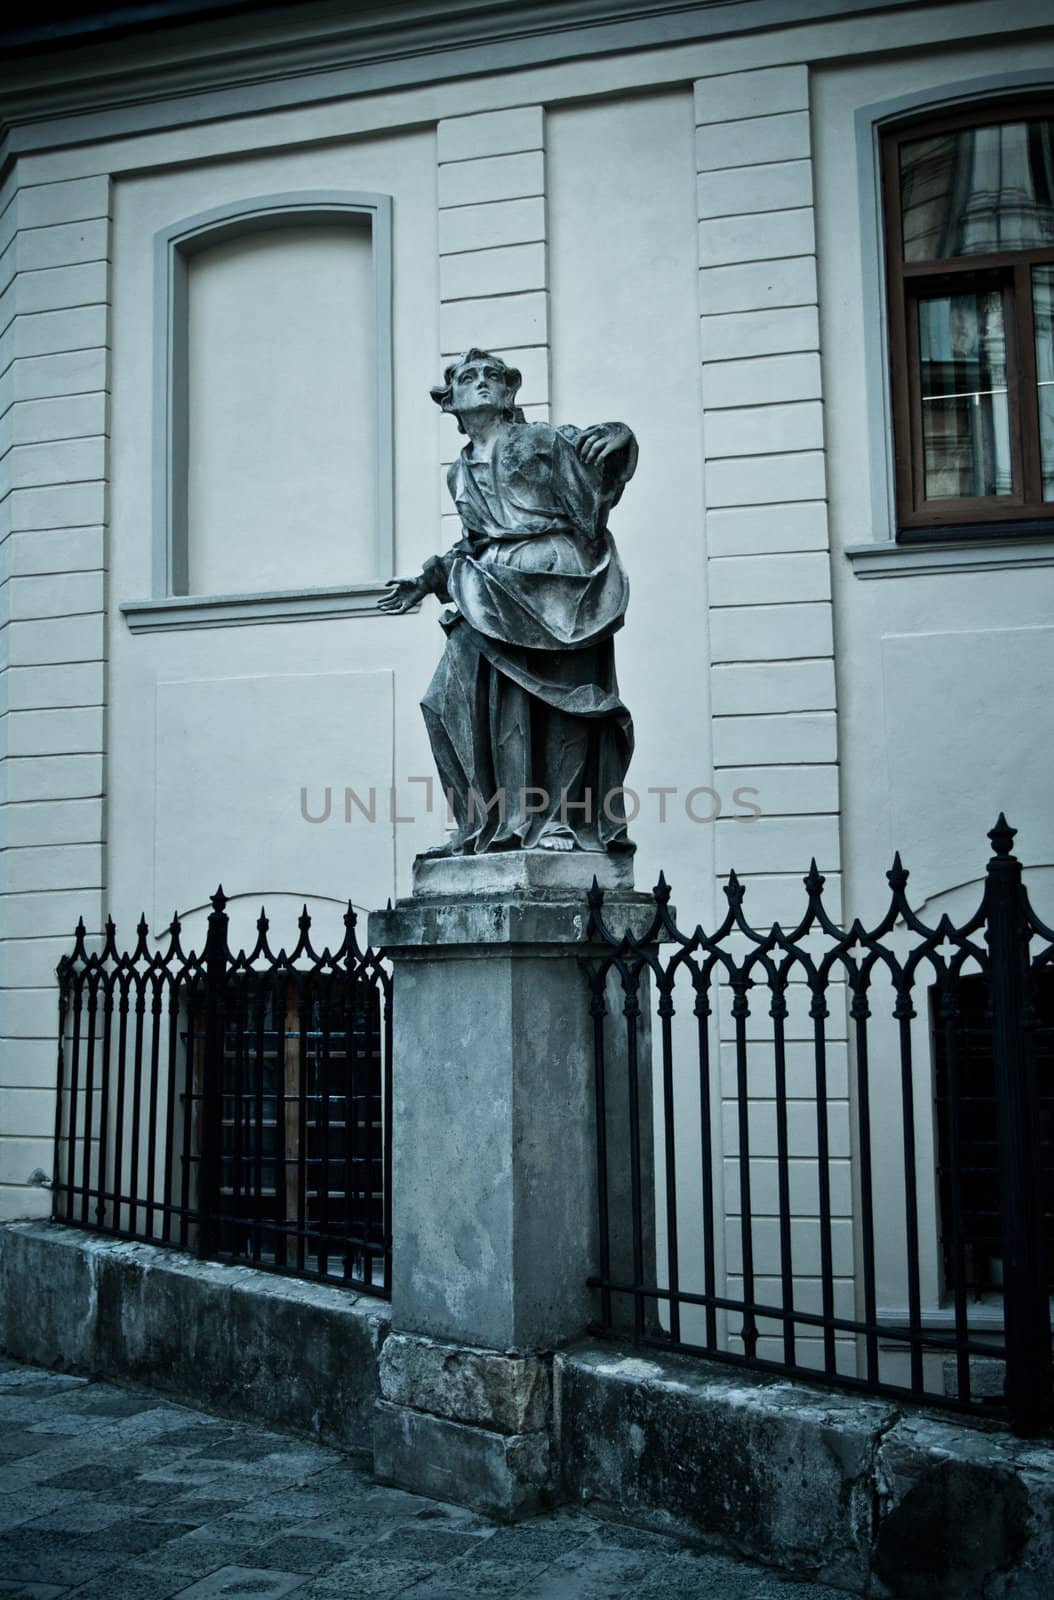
[(982, 517)]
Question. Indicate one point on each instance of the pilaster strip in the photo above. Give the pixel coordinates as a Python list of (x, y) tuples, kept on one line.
[(54, 383)]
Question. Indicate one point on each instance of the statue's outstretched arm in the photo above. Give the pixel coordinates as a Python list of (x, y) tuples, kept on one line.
[(405, 593)]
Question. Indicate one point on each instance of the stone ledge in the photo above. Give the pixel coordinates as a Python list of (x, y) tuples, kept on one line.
[(852, 1492), (507, 1394), (244, 1343)]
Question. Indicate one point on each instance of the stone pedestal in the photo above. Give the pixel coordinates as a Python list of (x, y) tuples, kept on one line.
[(494, 1192)]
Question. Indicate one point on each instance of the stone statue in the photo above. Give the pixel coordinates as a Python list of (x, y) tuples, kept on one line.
[(527, 729)]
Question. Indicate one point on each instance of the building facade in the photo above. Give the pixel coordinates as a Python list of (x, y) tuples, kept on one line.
[(806, 251)]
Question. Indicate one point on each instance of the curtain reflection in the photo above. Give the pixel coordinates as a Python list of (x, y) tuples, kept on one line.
[(978, 191), (965, 419), (1043, 312)]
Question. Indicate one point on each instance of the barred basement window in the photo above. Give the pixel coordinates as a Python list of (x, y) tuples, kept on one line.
[(969, 215), (301, 1143), (974, 1070)]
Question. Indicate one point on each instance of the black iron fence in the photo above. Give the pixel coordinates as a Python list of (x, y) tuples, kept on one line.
[(841, 1143), (236, 1104)]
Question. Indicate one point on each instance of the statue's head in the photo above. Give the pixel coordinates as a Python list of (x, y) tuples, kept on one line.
[(465, 372)]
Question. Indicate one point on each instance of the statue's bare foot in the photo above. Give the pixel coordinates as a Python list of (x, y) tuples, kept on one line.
[(556, 841), (436, 850)]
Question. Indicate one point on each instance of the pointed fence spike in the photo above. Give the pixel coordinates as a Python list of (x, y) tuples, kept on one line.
[(1002, 836), (219, 899)]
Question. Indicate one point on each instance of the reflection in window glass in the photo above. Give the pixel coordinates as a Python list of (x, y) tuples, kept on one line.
[(978, 191), (965, 421), (1043, 311)]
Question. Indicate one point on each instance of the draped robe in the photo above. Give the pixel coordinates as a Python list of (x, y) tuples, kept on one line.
[(527, 728)]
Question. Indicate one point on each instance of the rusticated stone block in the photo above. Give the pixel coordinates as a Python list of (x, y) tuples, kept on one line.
[(503, 1475), (509, 1394)]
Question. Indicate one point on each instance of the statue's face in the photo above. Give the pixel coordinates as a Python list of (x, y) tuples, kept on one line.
[(479, 386)]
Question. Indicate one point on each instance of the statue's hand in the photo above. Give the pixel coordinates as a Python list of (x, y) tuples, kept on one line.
[(604, 439), (403, 594)]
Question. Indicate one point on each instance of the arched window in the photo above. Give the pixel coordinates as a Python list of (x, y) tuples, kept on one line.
[(969, 217)]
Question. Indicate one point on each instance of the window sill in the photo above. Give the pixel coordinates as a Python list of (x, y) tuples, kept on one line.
[(179, 611), (892, 560)]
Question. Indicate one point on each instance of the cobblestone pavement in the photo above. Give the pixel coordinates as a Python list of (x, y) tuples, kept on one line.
[(111, 1494)]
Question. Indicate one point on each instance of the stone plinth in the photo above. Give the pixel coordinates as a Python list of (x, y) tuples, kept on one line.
[(494, 1181)]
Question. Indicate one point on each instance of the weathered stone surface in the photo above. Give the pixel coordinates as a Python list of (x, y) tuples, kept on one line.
[(772, 1470), (963, 1512), (439, 928), (504, 1475), (827, 1486), (509, 1394), (520, 871), (241, 1342)]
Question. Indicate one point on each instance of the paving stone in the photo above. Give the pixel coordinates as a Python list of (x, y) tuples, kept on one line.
[(376, 1579), (16, 1442), (30, 1591), (433, 1545), (302, 1552), (244, 1583), (134, 1536), (130, 1583), (79, 1516)]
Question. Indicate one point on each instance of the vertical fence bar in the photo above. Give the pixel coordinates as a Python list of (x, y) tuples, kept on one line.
[(71, 1120), (740, 1013), (137, 1095), (670, 1164), (89, 1093), (861, 1011), (156, 1010), (386, 1199), (170, 1109), (598, 1011), (904, 1013), (304, 1008), (778, 1012), (261, 984), (65, 986), (106, 979), (1026, 1308), (702, 1017), (212, 1072), (949, 1012), (356, 1148), (190, 1113), (820, 1012), (631, 1011), (123, 980)]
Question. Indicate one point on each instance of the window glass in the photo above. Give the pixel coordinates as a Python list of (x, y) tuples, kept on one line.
[(1043, 314), (978, 191), (965, 420)]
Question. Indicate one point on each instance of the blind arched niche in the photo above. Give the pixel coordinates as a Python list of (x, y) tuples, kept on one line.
[(273, 411)]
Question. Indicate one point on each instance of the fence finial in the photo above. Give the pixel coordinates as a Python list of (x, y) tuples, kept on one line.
[(1002, 836), (219, 899), (897, 876), (595, 897)]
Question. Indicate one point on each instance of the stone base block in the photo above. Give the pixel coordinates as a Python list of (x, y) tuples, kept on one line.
[(506, 1394), (503, 1475), (530, 872)]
